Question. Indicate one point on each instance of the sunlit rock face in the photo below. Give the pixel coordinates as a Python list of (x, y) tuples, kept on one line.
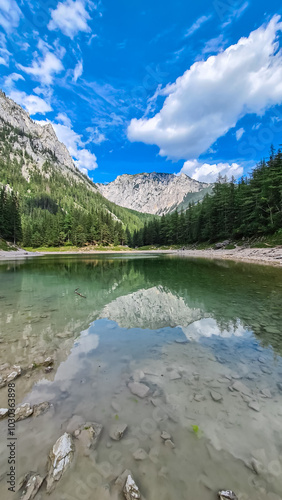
[(152, 308), (154, 193), (34, 144)]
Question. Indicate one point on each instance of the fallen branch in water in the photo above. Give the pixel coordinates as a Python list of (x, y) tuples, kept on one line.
[(77, 293)]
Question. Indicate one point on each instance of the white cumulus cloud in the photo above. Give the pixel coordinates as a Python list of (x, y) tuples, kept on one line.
[(32, 103), (207, 172), (44, 69), (70, 17), (211, 96), (83, 158)]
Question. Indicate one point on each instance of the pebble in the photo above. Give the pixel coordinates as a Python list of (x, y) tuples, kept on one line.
[(216, 396), (117, 431), (199, 397), (174, 375), (131, 490), (254, 405), (165, 435), (265, 369), (140, 454), (23, 411), (227, 495), (41, 408), (240, 387), (169, 444), (266, 393), (139, 389)]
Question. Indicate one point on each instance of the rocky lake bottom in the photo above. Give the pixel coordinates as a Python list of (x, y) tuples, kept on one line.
[(163, 379)]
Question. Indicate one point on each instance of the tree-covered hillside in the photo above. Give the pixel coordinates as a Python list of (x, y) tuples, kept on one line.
[(253, 207), (56, 207)]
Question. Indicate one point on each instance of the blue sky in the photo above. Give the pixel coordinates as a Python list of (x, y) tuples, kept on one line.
[(149, 86)]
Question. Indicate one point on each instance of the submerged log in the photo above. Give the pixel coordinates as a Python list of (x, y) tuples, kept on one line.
[(77, 293)]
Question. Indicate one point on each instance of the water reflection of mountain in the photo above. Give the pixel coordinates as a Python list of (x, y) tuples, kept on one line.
[(151, 308), (37, 296)]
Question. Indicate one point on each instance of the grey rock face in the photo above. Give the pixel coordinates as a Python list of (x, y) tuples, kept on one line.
[(153, 193), (38, 142)]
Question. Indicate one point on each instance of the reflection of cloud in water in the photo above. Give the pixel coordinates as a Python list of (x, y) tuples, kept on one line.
[(208, 327), (83, 345), (153, 308)]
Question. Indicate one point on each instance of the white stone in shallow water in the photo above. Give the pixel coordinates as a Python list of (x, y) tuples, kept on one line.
[(131, 491), (23, 411), (139, 389), (227, 495), (3, 413), (61, 457)]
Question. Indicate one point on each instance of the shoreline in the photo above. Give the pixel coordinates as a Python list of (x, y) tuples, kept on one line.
[(264, 256)]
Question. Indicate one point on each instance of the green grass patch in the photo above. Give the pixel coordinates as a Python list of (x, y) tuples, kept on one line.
[(73, 248)]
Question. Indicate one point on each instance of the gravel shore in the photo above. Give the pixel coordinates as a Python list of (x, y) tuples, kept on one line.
[(267, 256)]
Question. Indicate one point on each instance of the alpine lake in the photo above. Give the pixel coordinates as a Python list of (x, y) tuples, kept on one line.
[(179, 360)]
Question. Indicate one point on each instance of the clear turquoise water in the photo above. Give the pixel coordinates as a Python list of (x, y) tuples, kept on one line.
[(192, 326)]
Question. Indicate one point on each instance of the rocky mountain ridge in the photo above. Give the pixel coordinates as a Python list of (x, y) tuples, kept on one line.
[(34, 144), (154, 193)]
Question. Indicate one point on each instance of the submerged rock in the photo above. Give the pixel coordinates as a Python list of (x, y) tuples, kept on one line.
[(254, 405), (279, 385), (41, 408), (216, 396), (117, 431), (131, 491), (240, 387), (169, 444), (23, 411), (3, 413), (165, 435), (61, 457), (48, 361), (30, 484), (88, 435), (227, 495), (140, 454), (139, 389)]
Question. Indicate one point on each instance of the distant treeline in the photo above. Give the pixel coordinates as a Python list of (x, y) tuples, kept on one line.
[(70, 214), (10, 218), (253, 207)]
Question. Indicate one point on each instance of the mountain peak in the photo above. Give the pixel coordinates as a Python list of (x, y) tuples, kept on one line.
[(153, 192)]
